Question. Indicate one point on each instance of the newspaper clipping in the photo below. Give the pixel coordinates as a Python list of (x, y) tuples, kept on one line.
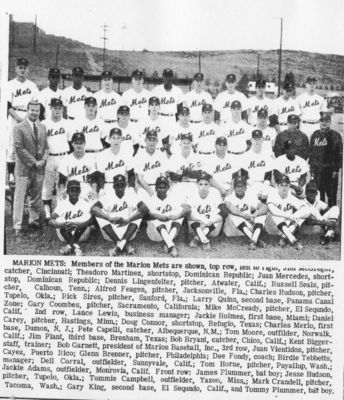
[(172, 195)]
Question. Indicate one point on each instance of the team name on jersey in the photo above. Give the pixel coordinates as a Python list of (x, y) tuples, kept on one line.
[(285, 110), (147, 129), (51, 132), (178, 137), (204, 210), (166, 209), (72, 215), (107, 103), (267, 138), (137, 102), (219, 169), (75, 171), (127, 137), (197, 103), (257, 107), (20, 92), (190, 166), (206, 133), (111, 165), (119, 208), (289, 170), (320, 142), (87, 129), (149, 166), (243, 208), (287, 207), (308, 103), (256, 164), (233, 132), (165, 100), (227, 104), (75, 99)]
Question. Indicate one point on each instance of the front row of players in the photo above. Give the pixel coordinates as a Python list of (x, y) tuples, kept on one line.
[(120, 211)]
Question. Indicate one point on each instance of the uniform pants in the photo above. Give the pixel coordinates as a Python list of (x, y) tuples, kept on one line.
[(119, 230), (51, 176), (229, 230), (152, 232)]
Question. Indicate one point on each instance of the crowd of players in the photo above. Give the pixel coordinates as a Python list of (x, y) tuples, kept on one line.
[(171, 158)]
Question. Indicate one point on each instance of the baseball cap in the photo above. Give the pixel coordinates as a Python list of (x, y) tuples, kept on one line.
[(77, 71), (240, 180), (78, 137), (115, 131), (198, 76), (56, 103), (207, 108), (260, 83), (288, 144), (23, 61), (73, 183), (90, 100), (204, 176), (184, 110), (311, 186), (186, 136), (222, 140), (235, 104), (119, 179), (325, 116), (152, 133), (123, 110), (106, 74), (262, 113), (288, 86), (230, 78), (137, 74), (54, 72), (154, 101), (293, 118), (257, 134), (167, 72), (311, 79), (284, 179), (162, 180)]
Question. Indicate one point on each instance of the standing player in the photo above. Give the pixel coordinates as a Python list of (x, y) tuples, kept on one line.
[(107, 99), (197, 98), (58, 131), (170, 96), (179, 128), (269, 134), (258, 102), (246, 212), (137, 97), (20, 91), (72, 219), (51, 92), (119, 215), (286, 105), (223, 101), (326, 158), (75, 95), (311, 104)]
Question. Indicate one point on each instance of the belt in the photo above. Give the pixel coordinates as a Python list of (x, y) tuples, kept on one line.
[(206, 152), (194, 121), (93, 151), (19, 109), (167, 115), (310, 122), (110, 121), (70, 117), (58, 154), (134, 120), (283, 123), (237, 153)]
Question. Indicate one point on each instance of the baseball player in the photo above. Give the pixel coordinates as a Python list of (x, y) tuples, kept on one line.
[(269, 133), (20, 91), (246, 212), (321, 214), (295, 167), (79, 166), (114, 161), (292, 133), (91, 126), (166, 214), (51, 92), (223, 101), (206, 132), (197, 98), (58, 131), (72, 219), (107, 99), (206, 212), (74, 96), (311, 104), (259, 101), (286, 105), (170, 96), (119, 214), (326, 158), (287, 211), (179, 128), (137, 97), (237, 131)]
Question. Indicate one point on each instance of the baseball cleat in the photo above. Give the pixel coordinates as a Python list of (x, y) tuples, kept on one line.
[(283, 242), (261, 244), (298, 246), (129, 250), (66, 250), (174, 252), (115, 252), (206, 247), (252, 246), (193, 244), (77, 250)]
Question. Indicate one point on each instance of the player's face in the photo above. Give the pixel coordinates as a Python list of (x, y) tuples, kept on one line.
[(151, 143), (236, 113), (78, 146), (22, 71), (168, 80), (54, 81), (198, 85), (257, 143), (240, 190), (290, 153), (120, 188), (311, 86), (91, 110), (208, 116), (185, 146), (57, 112), (116, 140), (260, 90), (154, 109), (292, 126), (262, 122), (107, 83), (283, 189), (77, 80), (73, 193), (137, 84), (203, 188), (287, 94), (221, 149), (123, 118), (231, 86), (311, 196), (184, 118), (161, 191), (33, 112), (325, 123)]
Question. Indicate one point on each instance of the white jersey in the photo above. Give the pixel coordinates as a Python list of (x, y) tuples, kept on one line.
[(195, 101), (45, 96), (311, 106), (78, 212), (137, 102), (179, 164), (150, 166), (237, 134), (57, 135), (248, 204), (223, 102), (19, 94), (74, 100), (256, 164), (289, 204), (205, 136), (269, 136), (158, 125), (108, 104), (79, 169), (169, 100), (123, 207), (112, 164), (221, 169), (317, 208), (293, 168), (176, 133), (172, 204), (283, 108), (254, 104), (130, 135), (93, 129), (207, 208)]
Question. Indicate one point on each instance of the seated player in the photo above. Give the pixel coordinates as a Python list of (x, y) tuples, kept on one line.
[(166, 213), (119, 215), (207, 212), (321, 214), (288, 212), (246, 212), (72, 219)]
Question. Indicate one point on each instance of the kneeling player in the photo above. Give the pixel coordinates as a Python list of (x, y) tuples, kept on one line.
[(288, 212), (72, 219), (321, 214), (207, 212), (246, 212), (119, 215), (166, 214)]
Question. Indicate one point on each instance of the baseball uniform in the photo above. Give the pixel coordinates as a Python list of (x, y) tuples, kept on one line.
[(284, 107), (45, 96), (94, 130), (293, 168), (130, 135), (74, 100), (254, 104), (169, 100), (194, 101), (108, 103), (205, 136), (237, 134), (310, 107), (223, 101), (137, 102)]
